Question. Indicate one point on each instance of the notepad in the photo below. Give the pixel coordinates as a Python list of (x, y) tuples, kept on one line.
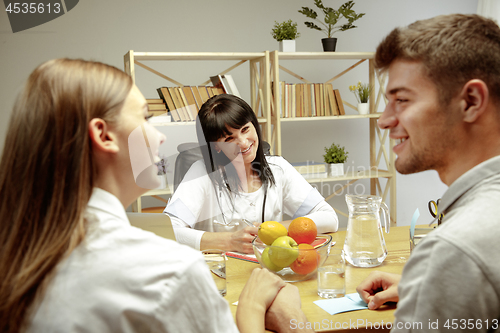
[(351, 302), (242, 256)]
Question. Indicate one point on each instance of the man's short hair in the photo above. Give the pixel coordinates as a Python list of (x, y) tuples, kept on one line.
[(452, 48)]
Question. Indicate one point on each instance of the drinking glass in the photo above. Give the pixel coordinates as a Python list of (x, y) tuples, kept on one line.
[(331, 274), (216, 261)]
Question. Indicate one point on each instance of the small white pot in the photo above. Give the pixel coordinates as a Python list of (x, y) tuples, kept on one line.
[(335, 169), (287, 45), (363, 108), (163, 181)]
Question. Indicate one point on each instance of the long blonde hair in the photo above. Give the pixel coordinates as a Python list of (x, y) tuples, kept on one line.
[(47, 174)]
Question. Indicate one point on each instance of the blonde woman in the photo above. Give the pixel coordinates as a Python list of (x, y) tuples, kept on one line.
[(69, 259)]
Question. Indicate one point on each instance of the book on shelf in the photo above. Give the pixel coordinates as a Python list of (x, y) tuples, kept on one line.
[(189, 102), (156, 113), (226, 83), (232, 86), (340, 104), (203, 93), (332, 101), (165, 96), (210, 91), (219, 82), (154, 101), (157, 107), (197, 97), (179, 104)]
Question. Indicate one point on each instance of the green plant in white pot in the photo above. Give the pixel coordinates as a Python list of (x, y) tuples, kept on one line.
[(335, 156), (285, 33), (330, 24), (362, 92)]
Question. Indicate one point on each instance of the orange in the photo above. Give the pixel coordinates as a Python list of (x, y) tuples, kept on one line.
[(307, 261), (303, 230), (270, 230)]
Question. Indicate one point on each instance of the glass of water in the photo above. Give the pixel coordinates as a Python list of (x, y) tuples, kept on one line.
[(216, 261), (331, 275)]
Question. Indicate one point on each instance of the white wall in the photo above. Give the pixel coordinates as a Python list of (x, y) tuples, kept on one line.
[(106, 30)]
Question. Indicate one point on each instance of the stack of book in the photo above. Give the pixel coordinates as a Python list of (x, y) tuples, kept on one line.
[(156, 107), (310, 100), (311, 169), (183, 103)]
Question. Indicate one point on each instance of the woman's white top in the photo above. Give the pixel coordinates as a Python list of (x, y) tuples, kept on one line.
[(124, 279), (198, 206)]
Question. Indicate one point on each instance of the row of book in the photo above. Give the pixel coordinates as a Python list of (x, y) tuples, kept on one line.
[(310, 100), (297, 99), (184, 102)]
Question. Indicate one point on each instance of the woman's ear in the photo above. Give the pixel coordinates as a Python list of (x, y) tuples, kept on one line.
[(101, 137), (475, 98)]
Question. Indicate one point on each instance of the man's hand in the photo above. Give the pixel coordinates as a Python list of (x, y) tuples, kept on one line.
[(379, 288), (286, 306), (256, 297)]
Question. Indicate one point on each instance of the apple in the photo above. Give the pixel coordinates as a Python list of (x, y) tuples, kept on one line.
[(283, 251), (268, 263)]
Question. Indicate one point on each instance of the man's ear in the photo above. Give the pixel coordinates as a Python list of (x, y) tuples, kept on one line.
[(101, 137), (474, 100)]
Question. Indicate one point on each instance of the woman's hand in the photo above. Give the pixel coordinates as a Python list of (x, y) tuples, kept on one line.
[(238, 241), (241, 240), (379, 288)]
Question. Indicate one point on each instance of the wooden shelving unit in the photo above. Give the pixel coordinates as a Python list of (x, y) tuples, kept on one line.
[(264, 69), (387, 192), (260, 89)]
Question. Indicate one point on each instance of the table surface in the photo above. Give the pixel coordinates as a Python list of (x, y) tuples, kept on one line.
[(398, 249)]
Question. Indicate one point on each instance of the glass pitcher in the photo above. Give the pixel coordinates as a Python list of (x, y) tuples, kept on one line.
[(364, 243)]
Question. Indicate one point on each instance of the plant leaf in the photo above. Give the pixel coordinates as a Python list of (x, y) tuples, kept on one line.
[(308, 12), (319, 4), (347, 27), (312, 26), (332, 17)]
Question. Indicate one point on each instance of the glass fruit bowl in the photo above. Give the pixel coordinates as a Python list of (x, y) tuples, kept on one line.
[(304, 261)]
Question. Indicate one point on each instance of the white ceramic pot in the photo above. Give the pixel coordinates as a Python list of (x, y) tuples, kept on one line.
[(287, 45), (163, 181), (335, 169), (363, 108)]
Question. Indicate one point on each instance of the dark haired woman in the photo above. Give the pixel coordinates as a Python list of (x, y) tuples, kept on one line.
[(223, 197), (69, 259)]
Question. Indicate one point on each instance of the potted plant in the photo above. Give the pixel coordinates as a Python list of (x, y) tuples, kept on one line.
[(162, 166), (335, 156), (362, 93), (329, 23), (285, 33)]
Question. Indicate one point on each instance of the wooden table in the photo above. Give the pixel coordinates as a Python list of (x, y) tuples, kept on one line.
[(398, 248)]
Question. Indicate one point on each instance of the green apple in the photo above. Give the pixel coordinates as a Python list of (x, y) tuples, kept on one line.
[(283, 251), (268, 263)]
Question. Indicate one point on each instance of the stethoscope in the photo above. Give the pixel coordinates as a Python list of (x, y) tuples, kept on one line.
[(230, 218)]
